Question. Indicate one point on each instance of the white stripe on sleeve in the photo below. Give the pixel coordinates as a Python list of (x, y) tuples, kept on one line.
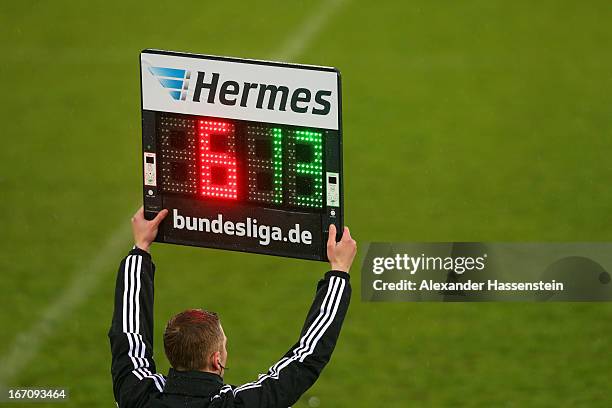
[(308, 342)]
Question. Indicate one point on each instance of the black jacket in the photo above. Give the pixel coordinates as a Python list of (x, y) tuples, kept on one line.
[(136, 382)]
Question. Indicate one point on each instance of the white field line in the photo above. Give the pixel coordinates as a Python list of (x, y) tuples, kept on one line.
[(27, 343), (297, 43), (85, 280)]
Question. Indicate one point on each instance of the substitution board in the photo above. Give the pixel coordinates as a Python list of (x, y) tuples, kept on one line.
[(245, 154)]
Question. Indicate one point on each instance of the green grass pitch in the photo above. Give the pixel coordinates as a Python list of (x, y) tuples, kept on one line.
[(474, 120)]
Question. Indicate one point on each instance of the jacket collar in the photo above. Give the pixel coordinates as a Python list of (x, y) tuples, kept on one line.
[(192, 383)]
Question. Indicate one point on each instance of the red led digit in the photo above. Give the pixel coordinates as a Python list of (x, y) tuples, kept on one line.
[(218, 170)]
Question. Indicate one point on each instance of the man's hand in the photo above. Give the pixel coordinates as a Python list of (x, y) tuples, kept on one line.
[(145, 231), (340, 254)]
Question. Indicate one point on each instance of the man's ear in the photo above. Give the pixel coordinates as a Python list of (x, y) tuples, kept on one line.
[(215, 359)]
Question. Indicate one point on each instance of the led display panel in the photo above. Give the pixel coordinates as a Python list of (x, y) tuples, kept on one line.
[(245, 154)]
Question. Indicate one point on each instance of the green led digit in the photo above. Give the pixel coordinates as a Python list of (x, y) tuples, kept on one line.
[(305, 168), (277, 163), (265, 164)]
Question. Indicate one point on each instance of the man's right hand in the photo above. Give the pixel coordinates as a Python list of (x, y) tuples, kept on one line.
[(145, 231), (340, 254)]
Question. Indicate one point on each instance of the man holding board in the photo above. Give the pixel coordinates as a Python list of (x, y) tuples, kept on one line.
[(195, 343)]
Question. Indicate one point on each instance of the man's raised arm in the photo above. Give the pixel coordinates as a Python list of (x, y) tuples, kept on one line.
[(131, 333), (300, 367)]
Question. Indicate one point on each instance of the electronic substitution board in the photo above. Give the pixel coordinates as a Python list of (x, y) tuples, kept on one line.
[(245, 154)]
